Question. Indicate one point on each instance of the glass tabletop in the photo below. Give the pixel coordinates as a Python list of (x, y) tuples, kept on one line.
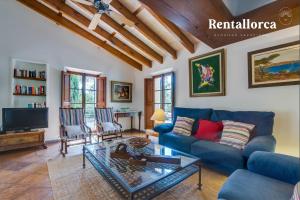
[(135, 177)]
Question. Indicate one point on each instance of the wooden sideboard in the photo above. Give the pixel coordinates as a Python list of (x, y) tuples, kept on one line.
[(11, 141)]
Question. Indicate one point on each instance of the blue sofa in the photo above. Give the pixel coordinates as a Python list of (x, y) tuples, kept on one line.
[(225, 159), (269, 176)]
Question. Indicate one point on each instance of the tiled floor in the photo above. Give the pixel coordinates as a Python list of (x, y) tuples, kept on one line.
[(24, 173)]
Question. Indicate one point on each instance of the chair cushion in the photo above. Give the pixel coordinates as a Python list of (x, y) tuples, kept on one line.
[(74, 131), (183, 125), (221, 157), (178, 142), (194, 113), (246, 185), (110, 127), (209, 130), (236, 134), (263, 121)]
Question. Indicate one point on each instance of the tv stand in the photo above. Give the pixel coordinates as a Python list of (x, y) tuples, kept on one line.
[(19, 140)]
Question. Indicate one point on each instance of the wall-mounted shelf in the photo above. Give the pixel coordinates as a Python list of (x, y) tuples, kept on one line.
[(29, 78), (28, 83), (35, 95)]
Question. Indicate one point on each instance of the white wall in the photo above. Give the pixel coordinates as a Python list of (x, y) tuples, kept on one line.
[(27, 35), (284, 101)]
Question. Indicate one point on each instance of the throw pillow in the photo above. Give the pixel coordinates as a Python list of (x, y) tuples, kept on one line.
[(183, 125), (296, 194), (236, 134), (209, 130)]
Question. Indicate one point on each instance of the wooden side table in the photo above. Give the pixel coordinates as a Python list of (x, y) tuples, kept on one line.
[(130, 114), (11, 141)]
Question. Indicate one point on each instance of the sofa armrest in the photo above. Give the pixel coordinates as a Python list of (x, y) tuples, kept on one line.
[(260, 143), (163, 128), (278, 166)]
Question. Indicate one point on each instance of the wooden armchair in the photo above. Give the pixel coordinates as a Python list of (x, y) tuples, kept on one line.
[(72, 128), (107, 126)]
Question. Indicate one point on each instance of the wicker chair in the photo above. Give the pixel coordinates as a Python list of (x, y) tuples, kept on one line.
[(72, 128), (107, 126)]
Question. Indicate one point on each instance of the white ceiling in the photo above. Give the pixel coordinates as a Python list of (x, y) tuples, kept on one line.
[(239, 7)]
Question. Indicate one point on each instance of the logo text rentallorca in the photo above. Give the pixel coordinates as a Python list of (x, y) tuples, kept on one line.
[(244, 24)]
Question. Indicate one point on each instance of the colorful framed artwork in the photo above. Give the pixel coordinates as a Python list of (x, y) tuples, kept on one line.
[(207, 74), (274, 66), (121, 91)]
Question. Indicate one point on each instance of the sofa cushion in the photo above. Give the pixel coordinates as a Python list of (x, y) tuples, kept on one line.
[(236, 134), (178, 142), (226, 158), (246, 185), (194, 113), (263, 121), (183, 125), (209, 130)]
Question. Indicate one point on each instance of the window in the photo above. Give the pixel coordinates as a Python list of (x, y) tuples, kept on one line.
[(83, 94), (164, 93)]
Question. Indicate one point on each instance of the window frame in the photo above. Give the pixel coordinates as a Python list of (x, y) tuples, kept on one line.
[(83, 89), (162, 90)]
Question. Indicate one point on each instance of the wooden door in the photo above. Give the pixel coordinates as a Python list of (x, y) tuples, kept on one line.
[(101, 92), (149, 102)]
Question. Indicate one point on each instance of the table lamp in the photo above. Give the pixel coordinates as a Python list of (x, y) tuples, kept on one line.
[(159, 116)]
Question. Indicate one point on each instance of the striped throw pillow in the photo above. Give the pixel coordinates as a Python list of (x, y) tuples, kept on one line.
[(296, 194), (236, 134), (183, 125)]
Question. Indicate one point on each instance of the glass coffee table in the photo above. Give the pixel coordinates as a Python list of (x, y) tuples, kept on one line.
[(136, 181)]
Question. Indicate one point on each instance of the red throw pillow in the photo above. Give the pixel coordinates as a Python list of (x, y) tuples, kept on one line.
[(209, 130)]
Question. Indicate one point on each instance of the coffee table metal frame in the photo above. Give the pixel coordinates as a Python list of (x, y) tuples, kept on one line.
[(159, 185)]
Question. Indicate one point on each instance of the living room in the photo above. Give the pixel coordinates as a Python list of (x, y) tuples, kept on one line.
[(168, 80)]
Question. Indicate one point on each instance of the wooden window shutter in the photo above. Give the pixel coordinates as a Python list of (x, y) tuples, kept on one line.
[(149, 102), (65, 90), (101, 92)]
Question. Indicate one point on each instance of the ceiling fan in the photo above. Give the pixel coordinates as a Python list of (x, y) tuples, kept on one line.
[(102, 7)]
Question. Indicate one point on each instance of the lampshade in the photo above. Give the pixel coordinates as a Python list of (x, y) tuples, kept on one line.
[(159, 115)]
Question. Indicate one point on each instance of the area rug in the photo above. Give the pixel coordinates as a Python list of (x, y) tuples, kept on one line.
[(70, 181)]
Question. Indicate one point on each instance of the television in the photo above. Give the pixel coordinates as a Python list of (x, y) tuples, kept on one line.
[(24, 119)]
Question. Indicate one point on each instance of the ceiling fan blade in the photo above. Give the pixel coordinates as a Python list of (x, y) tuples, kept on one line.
[(85, 2), (121, 18), (95, 21)]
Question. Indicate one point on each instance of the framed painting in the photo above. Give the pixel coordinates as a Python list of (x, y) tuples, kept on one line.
[(207, 74), (274, 66), (121, 91)]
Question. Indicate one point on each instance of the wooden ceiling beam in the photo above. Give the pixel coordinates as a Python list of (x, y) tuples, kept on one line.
[(59, 19), (181, 37), (125, 33), (72, 13), (193, 16), (145, 30)]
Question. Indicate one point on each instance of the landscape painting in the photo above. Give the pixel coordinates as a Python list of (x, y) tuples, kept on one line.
[(121, 91), (275, 66), (207, 74)]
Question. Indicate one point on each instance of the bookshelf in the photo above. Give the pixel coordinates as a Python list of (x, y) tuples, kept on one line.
[(29, 84)]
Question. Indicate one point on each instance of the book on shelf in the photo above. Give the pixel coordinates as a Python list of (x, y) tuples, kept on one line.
[(30, 90), (22, 73)]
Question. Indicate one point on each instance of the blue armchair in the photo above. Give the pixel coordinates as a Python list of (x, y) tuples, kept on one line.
[(269, 176)]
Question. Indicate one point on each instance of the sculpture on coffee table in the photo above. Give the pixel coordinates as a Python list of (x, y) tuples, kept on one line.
[(141, 159)]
